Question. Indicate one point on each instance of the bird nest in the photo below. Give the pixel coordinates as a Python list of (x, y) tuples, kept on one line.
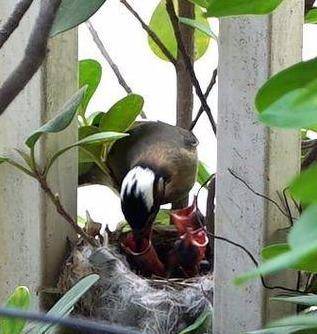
[(122, 296)]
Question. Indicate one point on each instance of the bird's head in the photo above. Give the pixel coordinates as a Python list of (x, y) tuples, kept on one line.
[(142, 191)]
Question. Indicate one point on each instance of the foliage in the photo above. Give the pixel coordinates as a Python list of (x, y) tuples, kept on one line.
[(201, 325), (74, 12), (61, 121), (311, 16), (304, 187), (205, 29), (20, 299), (221, 8), (203, 174), (160, 23), (66, 304), (288, 99), (90, 72), (123, 114)]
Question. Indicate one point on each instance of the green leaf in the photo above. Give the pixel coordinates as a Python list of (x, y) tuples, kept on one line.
[(311, 16), (307, 300), (67, 302), (90, 72), (304, 232), (304, 187), (308, 321), (101, 137), (20, 299), (74, 12), (95, 118), (273, 251), (94, 149), (202, 322), (203, 174), (221, 8), (3, 159), (81, 221), (163, 217), (205, 29), (61, 121), (123, 114), (302, 253), (288, 99), (282, 330), (160, 23)]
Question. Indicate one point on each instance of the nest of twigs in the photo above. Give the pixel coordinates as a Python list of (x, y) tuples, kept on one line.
[(121, 296)]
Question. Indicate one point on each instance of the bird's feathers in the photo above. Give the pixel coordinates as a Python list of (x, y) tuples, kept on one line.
[(139, 182)]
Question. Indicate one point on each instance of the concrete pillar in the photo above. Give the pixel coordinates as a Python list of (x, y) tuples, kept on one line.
[(251, 50), (33, 236)]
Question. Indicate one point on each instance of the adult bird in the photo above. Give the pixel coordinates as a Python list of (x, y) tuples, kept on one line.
[(156, 164)]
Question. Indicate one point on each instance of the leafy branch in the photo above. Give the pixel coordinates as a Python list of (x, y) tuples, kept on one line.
[(55, 125)]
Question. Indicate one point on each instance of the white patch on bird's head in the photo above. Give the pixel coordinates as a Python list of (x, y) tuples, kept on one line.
[(139, 182)]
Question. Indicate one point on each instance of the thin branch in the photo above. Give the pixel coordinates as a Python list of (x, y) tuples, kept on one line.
[(206, 95), (188, 63), (258, 194), (14, 20), (62, 211), (34, 56), (109, 60), (250, 255), (151, 33), (83, 325)]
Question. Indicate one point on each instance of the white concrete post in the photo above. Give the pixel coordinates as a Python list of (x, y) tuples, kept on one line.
[(32, 235), (251, 50)]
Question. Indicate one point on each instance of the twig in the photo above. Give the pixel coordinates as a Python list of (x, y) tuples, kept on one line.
[(109, 60), (251, 256), (77, 324), (151, 33), (209, 89), (288, 208), (258, 194), (188, 63), (61, 210), (14, 20), (34, 56), (106, 55)]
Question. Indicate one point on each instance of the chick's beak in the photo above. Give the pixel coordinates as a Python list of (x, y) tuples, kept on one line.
[(193, 238), (186, 218), (143, 254)]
